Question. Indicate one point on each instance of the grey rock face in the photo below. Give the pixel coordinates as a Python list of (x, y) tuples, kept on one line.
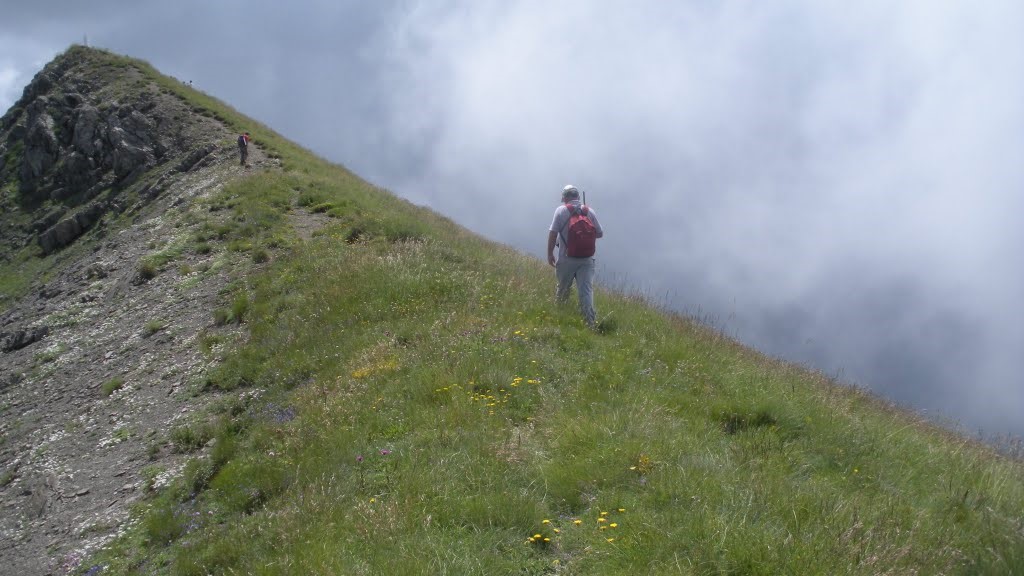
[(194, 157), (69, 229), (85, 136), (48, 219), (21, 338), (60, 234), (66, 145), (127, 156), (77, 172), (40, 148)]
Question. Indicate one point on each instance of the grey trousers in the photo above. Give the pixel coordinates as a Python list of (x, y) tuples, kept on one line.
[(581, 270)]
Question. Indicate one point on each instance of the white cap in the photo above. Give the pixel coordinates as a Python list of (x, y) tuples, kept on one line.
[(570, 191)]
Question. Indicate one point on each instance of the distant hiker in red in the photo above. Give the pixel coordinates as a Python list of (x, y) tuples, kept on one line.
[(243, 148), (575, 229)]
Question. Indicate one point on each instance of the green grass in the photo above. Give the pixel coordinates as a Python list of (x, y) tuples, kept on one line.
[(190, 437), (424, 408), (153, 326), (112, 385), (50, 354), (17, 275)]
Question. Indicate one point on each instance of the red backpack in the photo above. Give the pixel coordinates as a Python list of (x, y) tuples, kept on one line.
[(581, 235)]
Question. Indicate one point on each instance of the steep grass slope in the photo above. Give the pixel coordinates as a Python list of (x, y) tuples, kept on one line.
[(410, 401)]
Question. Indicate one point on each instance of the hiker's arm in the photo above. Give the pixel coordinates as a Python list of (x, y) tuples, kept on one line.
[(552, 236)]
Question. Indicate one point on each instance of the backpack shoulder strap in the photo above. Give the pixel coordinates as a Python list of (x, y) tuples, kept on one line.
[(565, 227)]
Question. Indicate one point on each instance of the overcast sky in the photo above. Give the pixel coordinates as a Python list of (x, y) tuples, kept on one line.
[(836, 183)]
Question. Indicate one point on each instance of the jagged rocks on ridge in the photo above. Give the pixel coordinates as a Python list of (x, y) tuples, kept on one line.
[(19, 339)]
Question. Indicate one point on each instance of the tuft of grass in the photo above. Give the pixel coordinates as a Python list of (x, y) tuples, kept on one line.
[(260, 255), (208, 342), (50, 354), (111, 386), (221, 316), (190, 437), (148, 269), (239, 308), (735, 421), (247, 484), (152, 327), (164, 524), (196, 477), (149, 476), (235, 314)]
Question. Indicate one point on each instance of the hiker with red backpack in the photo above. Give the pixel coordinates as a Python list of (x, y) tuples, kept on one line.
[(575, 229)]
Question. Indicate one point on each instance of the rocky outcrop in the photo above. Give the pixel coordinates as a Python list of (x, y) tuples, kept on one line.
[(78, 171), (195, 158), (41, 149), (75, 143), (85, 138), (67, 230), (19, 339)]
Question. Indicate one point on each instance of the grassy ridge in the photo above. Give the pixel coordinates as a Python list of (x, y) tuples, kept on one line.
[(412, 402)]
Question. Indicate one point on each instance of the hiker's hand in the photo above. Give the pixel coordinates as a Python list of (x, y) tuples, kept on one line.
[(551, 259)]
